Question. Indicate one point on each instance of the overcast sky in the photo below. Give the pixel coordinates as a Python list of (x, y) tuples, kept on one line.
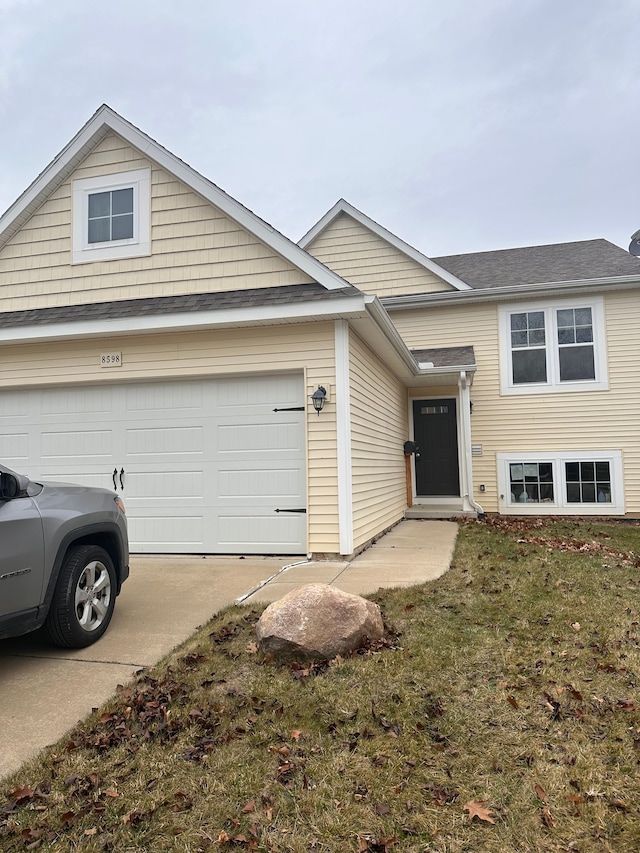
[(459, 125)]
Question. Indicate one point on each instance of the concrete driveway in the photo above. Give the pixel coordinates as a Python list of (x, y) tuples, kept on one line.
[(45, 690)]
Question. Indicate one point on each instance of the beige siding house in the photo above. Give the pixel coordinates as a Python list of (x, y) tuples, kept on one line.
[(159, 339)]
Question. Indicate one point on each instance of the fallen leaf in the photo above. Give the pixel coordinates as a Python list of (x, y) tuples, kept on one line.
[(382, 808), (476, 808), (296, 734), (250, 807), (512, 701), (252, 648), (547, 818), (541, 794)]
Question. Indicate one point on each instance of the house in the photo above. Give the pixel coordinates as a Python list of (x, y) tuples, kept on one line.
[(159, 339)]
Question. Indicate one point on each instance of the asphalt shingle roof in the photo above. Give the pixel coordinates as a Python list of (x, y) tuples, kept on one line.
[(258, 296), (585, 259), (446, 356)]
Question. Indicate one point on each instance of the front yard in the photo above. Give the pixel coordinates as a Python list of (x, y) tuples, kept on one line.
[(501, 714)]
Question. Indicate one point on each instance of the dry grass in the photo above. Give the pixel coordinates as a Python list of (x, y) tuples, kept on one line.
[(508, 689)]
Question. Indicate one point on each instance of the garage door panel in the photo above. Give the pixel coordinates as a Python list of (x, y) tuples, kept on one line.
[(278, 535), (15, 448), (167, 533), (259, 438), (164, 398), (78, 401), (165, 486), (164, 441), (270, 483), (70, 444)]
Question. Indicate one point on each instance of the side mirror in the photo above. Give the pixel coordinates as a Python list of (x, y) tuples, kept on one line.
[(9, 487)]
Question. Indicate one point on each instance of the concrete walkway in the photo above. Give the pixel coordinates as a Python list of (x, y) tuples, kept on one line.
[(44, 691)]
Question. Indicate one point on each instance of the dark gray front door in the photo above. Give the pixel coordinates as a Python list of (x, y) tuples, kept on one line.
[(435, 433)]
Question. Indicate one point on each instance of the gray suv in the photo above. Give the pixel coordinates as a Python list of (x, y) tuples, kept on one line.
[(64, 555)]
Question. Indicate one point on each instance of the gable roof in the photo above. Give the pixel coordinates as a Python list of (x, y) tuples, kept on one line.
[(106, 120), (343, 206), (557, 262)]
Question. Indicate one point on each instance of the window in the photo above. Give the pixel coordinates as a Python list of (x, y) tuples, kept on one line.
[(557, 347), (111, 216), (588, 482), (531, 482), (561, 483)]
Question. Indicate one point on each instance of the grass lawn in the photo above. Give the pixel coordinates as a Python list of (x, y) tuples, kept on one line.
[(501, 714)]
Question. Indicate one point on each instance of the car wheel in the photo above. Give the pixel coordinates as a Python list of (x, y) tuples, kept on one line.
[(84, 598)]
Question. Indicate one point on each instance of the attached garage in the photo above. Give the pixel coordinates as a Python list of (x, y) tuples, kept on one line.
[(204, 466)]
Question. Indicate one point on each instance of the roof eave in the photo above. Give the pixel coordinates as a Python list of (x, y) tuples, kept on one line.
[(496, 294)]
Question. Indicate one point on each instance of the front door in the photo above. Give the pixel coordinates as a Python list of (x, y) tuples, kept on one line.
[(436, 434)]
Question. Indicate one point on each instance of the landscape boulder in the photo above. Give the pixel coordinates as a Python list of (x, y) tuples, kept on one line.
[(318, 622)]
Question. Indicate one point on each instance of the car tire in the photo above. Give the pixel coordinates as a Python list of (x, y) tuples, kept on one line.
[(84, 598)]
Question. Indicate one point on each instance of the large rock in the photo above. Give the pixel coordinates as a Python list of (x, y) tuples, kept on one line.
[(318, 621)]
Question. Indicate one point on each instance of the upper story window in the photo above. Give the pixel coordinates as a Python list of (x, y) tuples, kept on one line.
[(111, 216), (556, 347)]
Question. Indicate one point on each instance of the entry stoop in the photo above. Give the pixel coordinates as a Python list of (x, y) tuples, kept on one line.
[(440, 508), (441, 513)]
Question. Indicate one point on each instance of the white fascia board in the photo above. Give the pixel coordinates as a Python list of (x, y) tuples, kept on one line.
[(52, 176), (346, 308), (523, 291), (106, 119), (343, 206)]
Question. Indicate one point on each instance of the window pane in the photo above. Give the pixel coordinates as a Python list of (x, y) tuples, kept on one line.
[(566, 336), (576, 363), (587, 471), (518, 322), (99, 230), (583, 316), (602, 471), (122, 228), (99, 204), (519, 339), (589, 493), (584, 334), (572, 471), (122, 201), (573, 493), (565, 317), (515, 472), (529, 366), (535, 319), (536, 337)]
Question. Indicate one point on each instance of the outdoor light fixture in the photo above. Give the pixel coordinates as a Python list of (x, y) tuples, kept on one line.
[(318, 397)]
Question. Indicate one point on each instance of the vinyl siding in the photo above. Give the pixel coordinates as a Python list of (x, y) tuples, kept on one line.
[(308, 348), (597, 420), (378, 433), (369, 262), (195, 248)]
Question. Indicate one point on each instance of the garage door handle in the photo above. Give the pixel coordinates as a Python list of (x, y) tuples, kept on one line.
[(290, 510), (121, 480), (114, 475)]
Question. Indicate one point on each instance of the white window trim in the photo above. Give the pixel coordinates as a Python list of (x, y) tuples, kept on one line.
[(553, 383), (140, 244), (560, 505)]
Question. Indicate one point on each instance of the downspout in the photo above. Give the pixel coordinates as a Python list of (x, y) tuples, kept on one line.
[(467, 461)]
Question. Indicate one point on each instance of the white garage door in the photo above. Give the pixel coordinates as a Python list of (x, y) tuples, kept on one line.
[(203, 466)]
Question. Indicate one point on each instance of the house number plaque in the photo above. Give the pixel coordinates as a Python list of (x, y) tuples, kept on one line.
[(111, 359)]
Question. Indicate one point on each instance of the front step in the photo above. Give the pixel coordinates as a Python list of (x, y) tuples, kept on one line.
[(438, 512)]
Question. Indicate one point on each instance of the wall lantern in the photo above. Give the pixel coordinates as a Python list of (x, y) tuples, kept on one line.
[(318, 397)]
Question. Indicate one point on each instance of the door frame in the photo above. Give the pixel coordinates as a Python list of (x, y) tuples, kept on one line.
[(439, 499)]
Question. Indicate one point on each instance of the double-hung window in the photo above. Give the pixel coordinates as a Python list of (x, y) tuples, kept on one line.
[(111, 216), (553, 347)]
